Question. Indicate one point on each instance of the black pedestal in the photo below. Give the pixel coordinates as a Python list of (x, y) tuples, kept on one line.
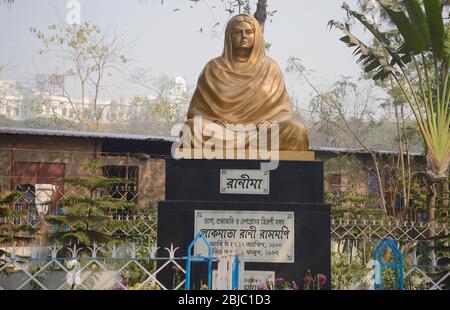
[(295, 188)]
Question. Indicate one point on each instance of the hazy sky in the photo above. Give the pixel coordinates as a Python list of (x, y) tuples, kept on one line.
[(169, 42)]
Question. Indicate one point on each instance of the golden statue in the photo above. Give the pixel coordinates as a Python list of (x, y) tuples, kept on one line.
[(244, 86)]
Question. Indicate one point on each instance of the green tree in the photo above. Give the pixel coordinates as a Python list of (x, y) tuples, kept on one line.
[(420, 68), (86, 214), (92, 55), (9, 230), (426, 90)]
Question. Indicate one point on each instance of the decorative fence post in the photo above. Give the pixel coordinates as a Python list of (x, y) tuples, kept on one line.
[(191, 259), (378, 254), (235, 274)]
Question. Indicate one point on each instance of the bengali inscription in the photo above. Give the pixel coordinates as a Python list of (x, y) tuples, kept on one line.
[(263, 236), (251, 182)]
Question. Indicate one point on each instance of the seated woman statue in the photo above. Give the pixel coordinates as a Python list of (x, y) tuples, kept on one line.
[(244, 86)]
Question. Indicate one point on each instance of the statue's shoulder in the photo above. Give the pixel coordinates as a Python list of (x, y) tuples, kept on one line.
[(268, 61), (215, 62), (211, 65)]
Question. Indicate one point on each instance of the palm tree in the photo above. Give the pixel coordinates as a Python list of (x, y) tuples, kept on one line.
[(420, 67)]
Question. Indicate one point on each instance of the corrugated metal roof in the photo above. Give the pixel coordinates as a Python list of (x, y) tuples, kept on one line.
[(338, 150), (97, 135), (82, 134)]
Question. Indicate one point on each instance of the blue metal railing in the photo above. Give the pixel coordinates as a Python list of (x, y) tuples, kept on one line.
[(202, 259), (397, 266)]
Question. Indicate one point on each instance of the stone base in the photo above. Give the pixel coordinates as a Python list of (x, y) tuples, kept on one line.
[(292, 181), (294, 189), (311, 237)]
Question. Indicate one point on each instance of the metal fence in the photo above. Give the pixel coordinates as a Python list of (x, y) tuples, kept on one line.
[(426, 261), (140, 229), (135, 265), (126, 267), (98, 267)]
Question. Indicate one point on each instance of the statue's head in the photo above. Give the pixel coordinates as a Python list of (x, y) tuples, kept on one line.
[(243, 33)]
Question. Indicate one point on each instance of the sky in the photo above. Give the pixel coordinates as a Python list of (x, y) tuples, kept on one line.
[(166, 38)]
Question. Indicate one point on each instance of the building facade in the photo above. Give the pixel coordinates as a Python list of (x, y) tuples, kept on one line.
[(29, 157), (25, 100)]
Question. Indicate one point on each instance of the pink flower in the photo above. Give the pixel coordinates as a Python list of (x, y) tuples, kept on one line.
[(294, 285), (262, 286), (279, 281), (124, 282), (307, 280), (322, 279), (175, 268)]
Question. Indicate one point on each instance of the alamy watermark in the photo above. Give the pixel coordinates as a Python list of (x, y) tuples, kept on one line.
[(375, 273)]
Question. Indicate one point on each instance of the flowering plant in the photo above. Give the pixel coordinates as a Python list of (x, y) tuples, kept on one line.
[(311, 282), (279, 284)]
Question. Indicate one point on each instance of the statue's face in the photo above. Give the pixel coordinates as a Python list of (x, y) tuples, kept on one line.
[(243, 36)]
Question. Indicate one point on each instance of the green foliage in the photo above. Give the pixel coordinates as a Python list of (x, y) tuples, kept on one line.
[(9, 232), (84, 40), (346, 201), (424, 51), (346, 274), (134, 275), (90, 55), (33, 269), (404, 24), (166, 110), (370, 59), (352, 213), (415, 281), (85, 218), (433, 12), (419, 201)]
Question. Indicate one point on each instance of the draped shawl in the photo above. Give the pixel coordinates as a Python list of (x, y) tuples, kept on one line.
[(242, 92)]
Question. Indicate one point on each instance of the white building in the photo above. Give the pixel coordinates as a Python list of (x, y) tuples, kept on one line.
[(179, 95), (11, 100), (20, 103)]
